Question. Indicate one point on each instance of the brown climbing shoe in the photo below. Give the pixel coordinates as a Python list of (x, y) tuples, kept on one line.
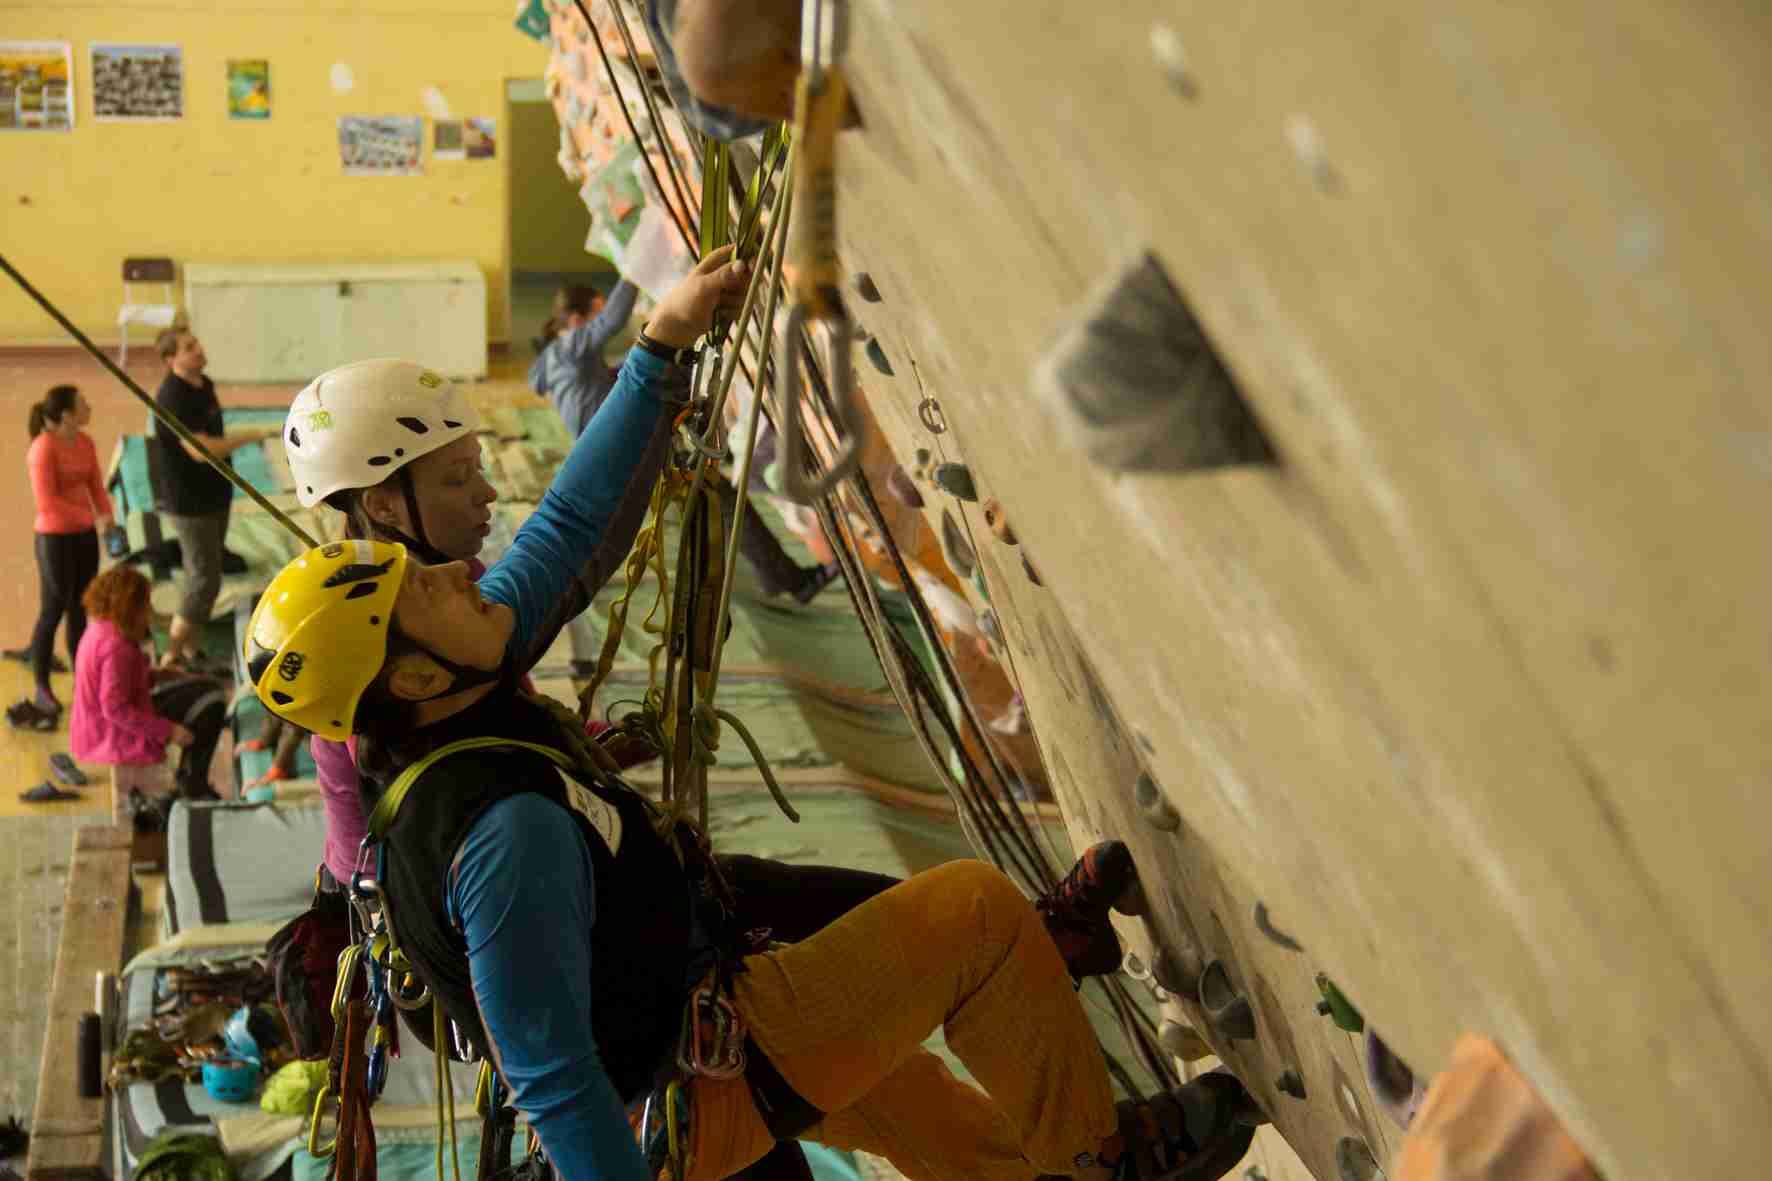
[(1198, 1132), (1076, 910)]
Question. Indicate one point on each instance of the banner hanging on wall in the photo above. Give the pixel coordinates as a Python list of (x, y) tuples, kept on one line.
[(36, 86), (137, 83), (381, 145), (249, 88)]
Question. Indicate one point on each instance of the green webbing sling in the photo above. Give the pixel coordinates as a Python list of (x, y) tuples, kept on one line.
[(389, 805)]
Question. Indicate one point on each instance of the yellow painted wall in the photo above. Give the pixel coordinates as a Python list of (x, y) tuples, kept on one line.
[(208, 188), (548, 221)]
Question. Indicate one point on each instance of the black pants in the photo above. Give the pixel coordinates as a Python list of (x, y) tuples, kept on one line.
[(777, 572), (199, 704), (66, 564)]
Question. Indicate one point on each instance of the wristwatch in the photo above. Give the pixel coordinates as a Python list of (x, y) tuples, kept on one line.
[(686, 357)]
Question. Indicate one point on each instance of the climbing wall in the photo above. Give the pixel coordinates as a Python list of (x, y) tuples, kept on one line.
[(1427, 577)]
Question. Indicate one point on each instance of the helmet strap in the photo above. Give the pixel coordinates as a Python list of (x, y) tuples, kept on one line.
[(464, 676), (424, 545)]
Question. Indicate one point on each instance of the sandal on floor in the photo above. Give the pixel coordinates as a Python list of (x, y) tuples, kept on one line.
[(62, 766), (47, 793), (27, 715)]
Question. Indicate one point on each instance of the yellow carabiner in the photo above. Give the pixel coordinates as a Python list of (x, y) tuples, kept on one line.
[(315, 1148), (673, 1130), (341, 987)]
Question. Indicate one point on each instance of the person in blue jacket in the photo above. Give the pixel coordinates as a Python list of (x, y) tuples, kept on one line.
[(571, 372), (582, 937)]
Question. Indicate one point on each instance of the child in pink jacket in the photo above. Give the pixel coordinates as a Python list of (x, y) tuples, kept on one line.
[(126, 712)]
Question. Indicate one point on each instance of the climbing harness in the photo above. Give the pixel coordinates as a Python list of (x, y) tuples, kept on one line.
[(814, 274), (166, 420)]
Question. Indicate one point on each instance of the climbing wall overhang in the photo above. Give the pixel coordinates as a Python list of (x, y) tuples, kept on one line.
[(1467, 680)]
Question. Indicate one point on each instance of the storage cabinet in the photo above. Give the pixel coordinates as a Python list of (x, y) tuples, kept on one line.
[(290, 322)]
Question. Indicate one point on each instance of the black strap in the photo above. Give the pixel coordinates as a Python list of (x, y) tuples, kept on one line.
[(685, 358), (786, 1113)]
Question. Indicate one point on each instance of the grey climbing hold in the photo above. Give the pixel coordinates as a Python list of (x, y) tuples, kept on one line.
[(1137, 386), (1290, 1083), (877, 356), (1354, 1161), (956, 480), (1159, 813), (864, 287), (954, 545), (1177, 970), (1266, 927), (900, 484), (1227, 1009)]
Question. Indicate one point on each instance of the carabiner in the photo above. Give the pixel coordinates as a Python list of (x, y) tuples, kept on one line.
[(315, 1148), (795, 484)]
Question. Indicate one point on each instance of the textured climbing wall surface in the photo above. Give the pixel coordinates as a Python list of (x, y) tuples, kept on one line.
[(1469, 684)]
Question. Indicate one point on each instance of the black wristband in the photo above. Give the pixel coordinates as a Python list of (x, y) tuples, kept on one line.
[(684, 357)]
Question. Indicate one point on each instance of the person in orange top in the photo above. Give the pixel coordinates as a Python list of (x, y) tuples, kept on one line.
[(71, 508)]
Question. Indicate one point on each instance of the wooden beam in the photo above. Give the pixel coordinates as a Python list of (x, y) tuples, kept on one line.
[(67, 1130)]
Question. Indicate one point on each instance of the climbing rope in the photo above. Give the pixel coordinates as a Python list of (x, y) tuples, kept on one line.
[(166, 420)]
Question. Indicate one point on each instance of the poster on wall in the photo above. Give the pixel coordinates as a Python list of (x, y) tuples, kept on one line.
[(446, 140), (249, 88), (36, 86), (137, 82), (480, 137), (381, 145)]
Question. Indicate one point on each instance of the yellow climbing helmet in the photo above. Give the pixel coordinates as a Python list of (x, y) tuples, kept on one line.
[(319, 634)]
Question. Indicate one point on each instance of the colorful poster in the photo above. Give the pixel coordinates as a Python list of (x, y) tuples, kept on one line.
[(249, 88), (446, 140), (480, 137), (381, 145), (137, 82), (36, 86)]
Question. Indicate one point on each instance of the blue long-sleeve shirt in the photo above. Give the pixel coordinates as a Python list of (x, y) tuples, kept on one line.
[(522, 879), (571, 372)]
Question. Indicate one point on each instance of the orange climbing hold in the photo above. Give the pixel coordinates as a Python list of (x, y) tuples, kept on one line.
[(1482, 1121)]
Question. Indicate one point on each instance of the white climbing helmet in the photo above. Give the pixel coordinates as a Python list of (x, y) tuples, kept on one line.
[(358, 424)]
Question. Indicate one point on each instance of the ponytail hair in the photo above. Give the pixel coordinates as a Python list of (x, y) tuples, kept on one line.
[(58, 401)]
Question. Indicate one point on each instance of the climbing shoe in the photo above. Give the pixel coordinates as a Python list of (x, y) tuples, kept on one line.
[(28, 715), (1198, 1132), (813, 582), (63, 767), (1076, 910)]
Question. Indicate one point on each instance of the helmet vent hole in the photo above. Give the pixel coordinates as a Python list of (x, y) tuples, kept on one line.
[(281, 698), (415, 425), (450, 424), (399, 451), (361, 590), (374, 620), (294, 438), (380, 460)]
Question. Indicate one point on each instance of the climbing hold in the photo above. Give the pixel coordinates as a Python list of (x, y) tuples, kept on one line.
[(993, 631), (1266, 927), (1290, 1083), (1178, 971), (1158, 811), (1308, 147), (953, 544), (1183, 1041), (1027, 567), (1355, 1162), (1337, 1007), (922, 459), (998, 520), (1166, 48), (864, 287), (900, 484), (956, 480), (1136, 384), (877, 356), (1227, 1009), (1394, 1085)]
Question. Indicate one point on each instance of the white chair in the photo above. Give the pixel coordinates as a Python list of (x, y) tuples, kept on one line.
[(142, 271)]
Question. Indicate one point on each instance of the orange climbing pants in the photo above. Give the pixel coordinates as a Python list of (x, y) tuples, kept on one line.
[(843, 1015)]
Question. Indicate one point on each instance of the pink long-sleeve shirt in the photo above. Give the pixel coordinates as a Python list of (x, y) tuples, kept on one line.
[(66, 484), (113, 719)]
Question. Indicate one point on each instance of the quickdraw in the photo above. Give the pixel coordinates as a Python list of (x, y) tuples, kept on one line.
[(712, 1045)]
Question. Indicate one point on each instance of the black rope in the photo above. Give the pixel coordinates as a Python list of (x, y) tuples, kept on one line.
[(178, 428)]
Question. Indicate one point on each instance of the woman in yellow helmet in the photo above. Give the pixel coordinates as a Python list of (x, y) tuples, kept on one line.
[(573, 934)]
